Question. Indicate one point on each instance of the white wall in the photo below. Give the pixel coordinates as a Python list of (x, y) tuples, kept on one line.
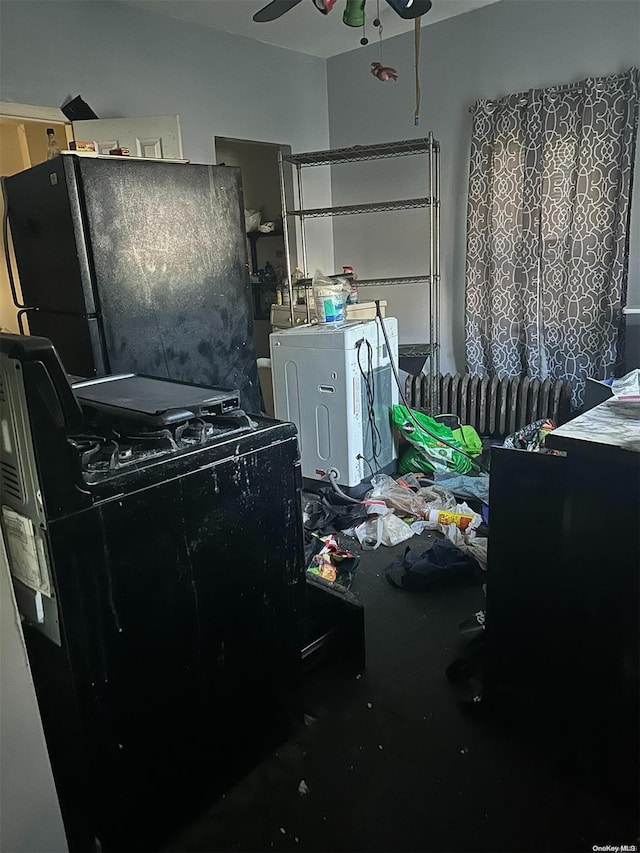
[(508, 47), (30, 819), (128, 62)]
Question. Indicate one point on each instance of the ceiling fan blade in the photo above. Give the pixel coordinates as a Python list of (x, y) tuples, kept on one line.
[(274, 10), (409, 9), (324, 6)]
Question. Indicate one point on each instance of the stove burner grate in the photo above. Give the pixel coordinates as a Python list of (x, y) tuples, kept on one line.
[(116, 448)]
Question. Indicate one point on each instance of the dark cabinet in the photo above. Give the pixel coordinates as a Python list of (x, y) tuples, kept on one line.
[(562, 591), (525, 599)]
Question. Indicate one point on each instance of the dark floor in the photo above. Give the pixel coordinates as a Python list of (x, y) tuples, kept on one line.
[(391, 763)]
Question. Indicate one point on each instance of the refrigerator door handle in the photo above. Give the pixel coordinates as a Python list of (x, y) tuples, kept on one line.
[(22, 313), (7, 253)]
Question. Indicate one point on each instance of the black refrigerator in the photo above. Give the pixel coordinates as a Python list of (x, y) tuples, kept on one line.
[(137, 266)]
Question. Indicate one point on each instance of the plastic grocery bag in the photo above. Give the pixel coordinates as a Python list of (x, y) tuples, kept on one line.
[(464, 434), (428, 451)]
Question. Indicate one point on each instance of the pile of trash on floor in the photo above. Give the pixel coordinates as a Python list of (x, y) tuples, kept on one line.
[(438, 474), (393, 511)]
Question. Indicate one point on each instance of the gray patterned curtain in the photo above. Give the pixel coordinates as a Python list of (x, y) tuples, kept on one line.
[(548, 231)]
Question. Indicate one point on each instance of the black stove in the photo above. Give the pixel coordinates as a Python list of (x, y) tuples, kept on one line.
[(169, 528)]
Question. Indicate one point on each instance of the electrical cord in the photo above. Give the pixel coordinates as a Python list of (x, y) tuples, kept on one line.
[(376, 438), (366, 462), (369, 381), (404, 399)]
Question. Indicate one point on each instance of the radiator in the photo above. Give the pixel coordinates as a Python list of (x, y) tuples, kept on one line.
[(495, 407)]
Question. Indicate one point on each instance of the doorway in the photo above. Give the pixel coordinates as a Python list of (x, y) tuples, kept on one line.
[(258, 162)]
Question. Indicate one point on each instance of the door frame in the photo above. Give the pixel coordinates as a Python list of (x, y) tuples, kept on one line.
[(31, 112)]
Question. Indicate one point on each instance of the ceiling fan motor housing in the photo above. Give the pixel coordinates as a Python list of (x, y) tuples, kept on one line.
[(409, 9)]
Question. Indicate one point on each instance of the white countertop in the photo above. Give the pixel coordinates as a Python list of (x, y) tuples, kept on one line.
[(614, 424)]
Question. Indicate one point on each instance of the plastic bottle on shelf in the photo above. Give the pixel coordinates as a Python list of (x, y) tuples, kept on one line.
[(279, 266), (296, 277), (53, 149)]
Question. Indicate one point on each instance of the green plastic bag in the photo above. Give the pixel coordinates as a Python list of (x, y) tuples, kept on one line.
[(428, 451), (465, 435)]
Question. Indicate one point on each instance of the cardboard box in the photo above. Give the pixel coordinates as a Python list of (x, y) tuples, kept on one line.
[(79, 145)]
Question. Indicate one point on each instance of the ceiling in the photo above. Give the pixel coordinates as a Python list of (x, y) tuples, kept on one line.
[(303, 29)]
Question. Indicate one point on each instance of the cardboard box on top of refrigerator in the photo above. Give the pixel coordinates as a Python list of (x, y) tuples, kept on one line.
[(79, 145)]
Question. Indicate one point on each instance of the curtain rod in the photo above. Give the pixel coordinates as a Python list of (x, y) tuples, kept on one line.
[(524, 97)]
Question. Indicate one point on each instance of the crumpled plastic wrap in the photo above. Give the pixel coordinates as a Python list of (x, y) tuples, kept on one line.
[(405, 501), (469, 543), (627, 387), (385, 529)]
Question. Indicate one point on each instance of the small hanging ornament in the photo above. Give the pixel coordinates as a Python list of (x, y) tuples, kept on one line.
[(383, 72)]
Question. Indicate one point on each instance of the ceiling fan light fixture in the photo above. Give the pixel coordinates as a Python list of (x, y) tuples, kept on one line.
[(354, 13)]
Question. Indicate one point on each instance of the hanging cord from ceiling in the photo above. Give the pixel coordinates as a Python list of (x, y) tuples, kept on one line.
[(378, 69), (364, 40), (417, 33)]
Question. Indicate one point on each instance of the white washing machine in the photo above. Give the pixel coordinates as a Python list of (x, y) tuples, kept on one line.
[(335, 383)]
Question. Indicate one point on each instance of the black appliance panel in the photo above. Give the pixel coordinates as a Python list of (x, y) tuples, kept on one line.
[(182, 607), (47, 229), (169, 250)]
